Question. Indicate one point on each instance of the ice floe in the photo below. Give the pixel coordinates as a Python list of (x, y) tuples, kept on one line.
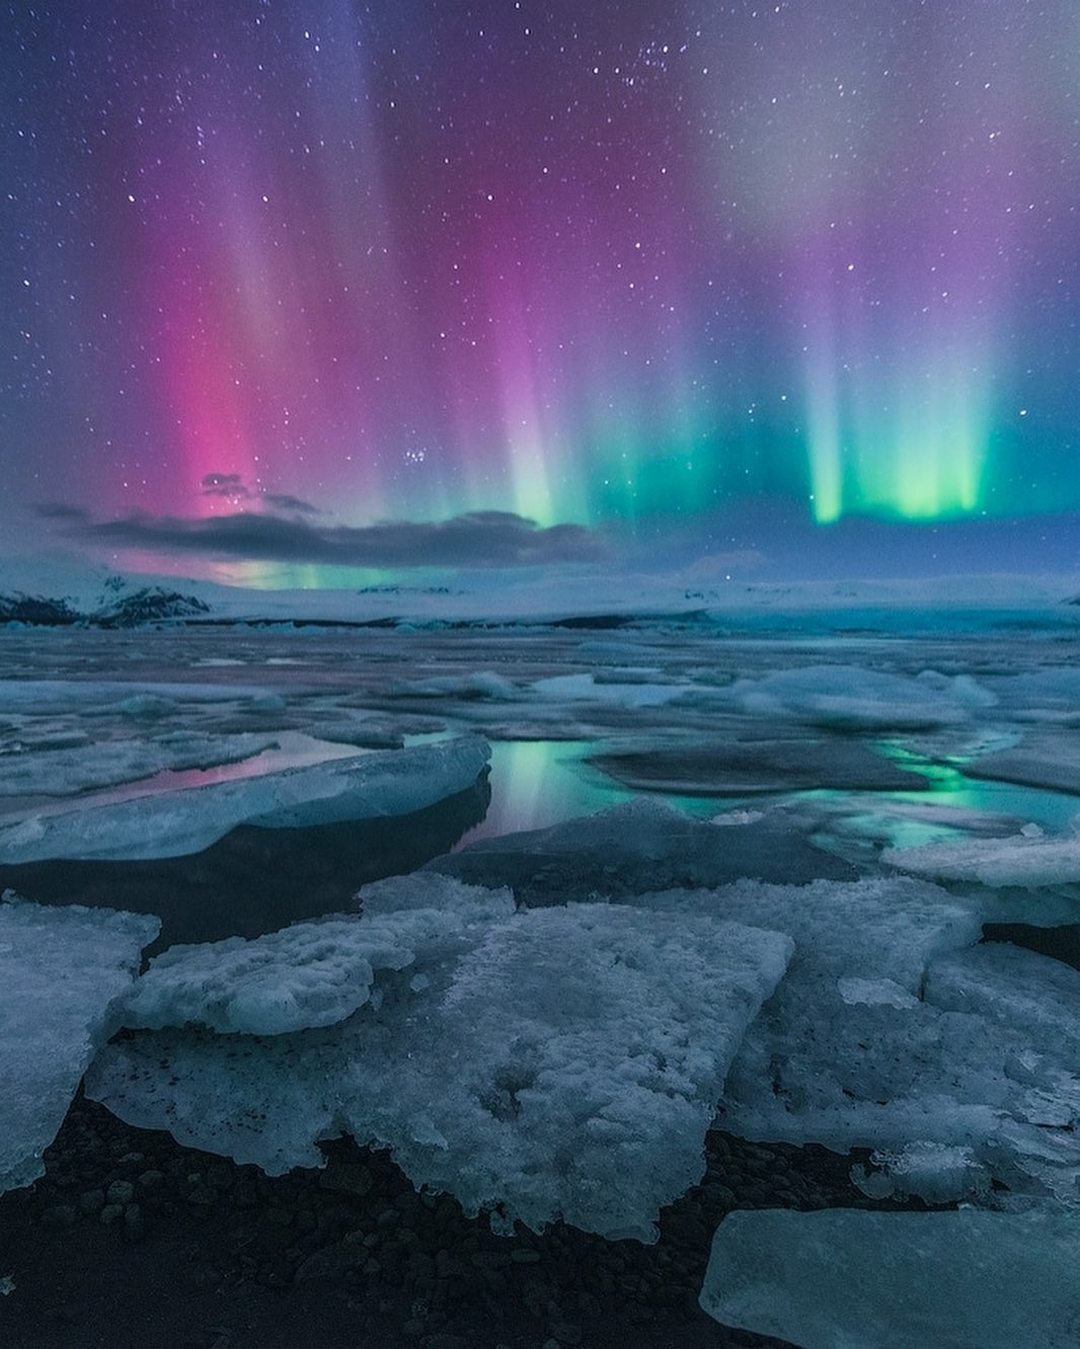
[(551, 1063), (638, 846), (1030, 860), (172, 824), (62, 971), (964, 1280)]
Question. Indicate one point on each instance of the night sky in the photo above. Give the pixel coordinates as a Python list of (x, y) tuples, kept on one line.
[(274, 272)]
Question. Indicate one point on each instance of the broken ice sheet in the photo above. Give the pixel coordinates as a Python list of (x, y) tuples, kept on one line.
[(175, 823), (969, 1279), (61, 973), (849, 697), (853, 1050), (557, 1063), (1028, 859), (312, 974)]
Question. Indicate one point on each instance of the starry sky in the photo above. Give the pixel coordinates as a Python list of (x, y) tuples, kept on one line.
[(324, 284)]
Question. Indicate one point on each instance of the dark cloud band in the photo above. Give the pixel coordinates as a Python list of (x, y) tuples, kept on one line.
[(478, 539)]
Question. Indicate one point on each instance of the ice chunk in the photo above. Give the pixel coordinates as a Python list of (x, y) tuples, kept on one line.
[(1043, 761), (853, 697), (1021, 860), (556, 1063), (171, 824), (585, 687), (64, 771), (935, 1172), (638, 846), (311, 974), (61, 972), (1015, 986), (738, 768), (842, 1277), (853, 1051)]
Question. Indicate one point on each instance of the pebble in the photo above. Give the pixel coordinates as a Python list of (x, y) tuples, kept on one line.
[(60, 1215), (92, 1201), (120, 1192)]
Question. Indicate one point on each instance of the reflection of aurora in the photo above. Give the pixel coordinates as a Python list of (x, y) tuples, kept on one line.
[(539, 783)]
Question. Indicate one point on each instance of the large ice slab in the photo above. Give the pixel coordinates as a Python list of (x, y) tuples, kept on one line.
[(61, 973), (33, 771), (1016, 987), (172, 824), (312, 974), (962, 1280), (554, 1063), (1023, 860), (851, 1050), (639, 846)]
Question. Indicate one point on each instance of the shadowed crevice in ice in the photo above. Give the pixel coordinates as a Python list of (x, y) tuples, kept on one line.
[(61, 973), (1061, 942), (258, 880), (639, 846), (895, 1280), (743, 767)]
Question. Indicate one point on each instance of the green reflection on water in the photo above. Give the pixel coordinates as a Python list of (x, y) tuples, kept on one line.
[(538, 783)]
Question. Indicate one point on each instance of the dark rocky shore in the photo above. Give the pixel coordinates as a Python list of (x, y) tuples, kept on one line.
[(130, 1240)]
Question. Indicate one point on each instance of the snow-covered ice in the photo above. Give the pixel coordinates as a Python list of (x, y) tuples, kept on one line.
[(1024, 860), (554, 1063), (962, 1280), (62, 971)]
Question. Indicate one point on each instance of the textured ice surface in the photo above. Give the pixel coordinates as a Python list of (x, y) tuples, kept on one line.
[(1015, 987), (844, 1278), (392, 782), (561, 1062), (1021, 860), (853, 697), (852, 1050), (61, 972), (939, 1173), (642, 845), (33, 771), (312, 974)]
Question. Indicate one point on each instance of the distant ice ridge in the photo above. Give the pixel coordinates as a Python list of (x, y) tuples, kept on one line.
[(969, 1279), (61, 973), (543, 1064), (366, 786)]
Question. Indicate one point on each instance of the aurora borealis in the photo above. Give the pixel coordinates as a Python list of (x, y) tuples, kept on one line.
[(601, 265)]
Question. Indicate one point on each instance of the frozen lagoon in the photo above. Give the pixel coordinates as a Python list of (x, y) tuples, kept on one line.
[(893, 742)]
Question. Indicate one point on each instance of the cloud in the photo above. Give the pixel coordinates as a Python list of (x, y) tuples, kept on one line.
[(57, 510), (478, 539), (224, 485), (281, 501)]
